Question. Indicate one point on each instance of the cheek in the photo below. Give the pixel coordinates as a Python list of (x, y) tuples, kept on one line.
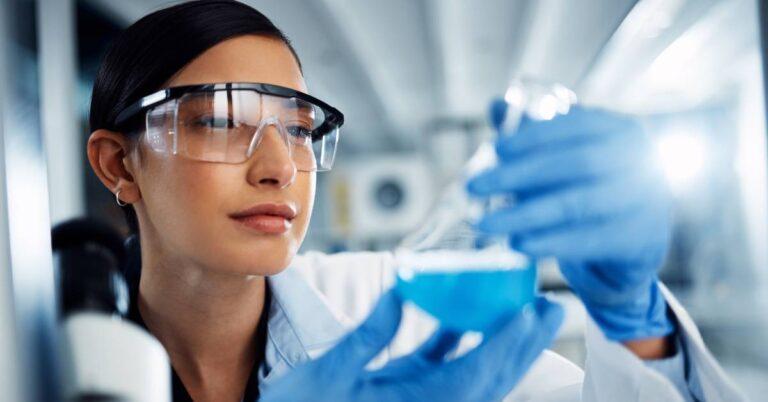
[(183, 203), (187, 203), (305, 195), (185, 190)]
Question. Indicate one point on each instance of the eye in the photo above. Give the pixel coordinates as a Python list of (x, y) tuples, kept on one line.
[(299, 132), (211, 122)]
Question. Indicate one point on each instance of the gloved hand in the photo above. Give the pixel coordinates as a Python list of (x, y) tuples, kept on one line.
[(587, 192), (494, 367)]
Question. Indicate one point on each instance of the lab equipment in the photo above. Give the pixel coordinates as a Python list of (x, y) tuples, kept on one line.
[(588, 193), (466, 278), (495, 366), (226, 122), (104, 356), (364, 192)]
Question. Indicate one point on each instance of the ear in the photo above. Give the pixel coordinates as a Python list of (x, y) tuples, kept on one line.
[(109, 155)]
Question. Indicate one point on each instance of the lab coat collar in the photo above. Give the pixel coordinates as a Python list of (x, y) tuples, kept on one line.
[(301, 325)]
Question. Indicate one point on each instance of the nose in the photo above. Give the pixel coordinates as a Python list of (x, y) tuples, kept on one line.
[(271, 164)]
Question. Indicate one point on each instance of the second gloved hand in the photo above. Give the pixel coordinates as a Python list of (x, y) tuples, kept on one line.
[(588, 192), (486, 373)]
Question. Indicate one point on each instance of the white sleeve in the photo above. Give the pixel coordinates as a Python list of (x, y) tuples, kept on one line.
[(614, 373), (676, 369)]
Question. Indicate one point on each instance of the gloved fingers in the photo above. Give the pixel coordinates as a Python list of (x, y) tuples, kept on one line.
[(497, 348), (497, 112), (642, 238), (357, 348), (484, 364), (559, 166), (578, 123), (573, 205), (442, 342), (549, 318), (432, 352)]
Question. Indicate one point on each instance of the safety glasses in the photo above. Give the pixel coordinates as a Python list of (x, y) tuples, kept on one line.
[(226, 122)]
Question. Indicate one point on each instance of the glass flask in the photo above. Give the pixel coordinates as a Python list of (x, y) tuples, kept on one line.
[(468, 280)]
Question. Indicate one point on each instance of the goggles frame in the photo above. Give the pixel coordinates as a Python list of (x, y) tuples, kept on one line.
[(131, 115)]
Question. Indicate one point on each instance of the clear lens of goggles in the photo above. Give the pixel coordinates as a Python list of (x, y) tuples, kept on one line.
[(228, 126)]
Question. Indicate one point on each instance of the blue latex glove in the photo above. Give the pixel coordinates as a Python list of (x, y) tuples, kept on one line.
[(486, 373), (587, 192)]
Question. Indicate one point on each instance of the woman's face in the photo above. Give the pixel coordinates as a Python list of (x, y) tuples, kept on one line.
[(186, 204)]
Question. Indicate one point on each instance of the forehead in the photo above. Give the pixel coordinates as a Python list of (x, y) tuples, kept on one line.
[(248, 58)]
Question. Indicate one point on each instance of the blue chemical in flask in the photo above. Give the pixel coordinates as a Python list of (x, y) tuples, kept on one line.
[(467, 280)]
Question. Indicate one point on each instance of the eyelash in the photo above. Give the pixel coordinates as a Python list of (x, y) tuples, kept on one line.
[(304, 132), (206, 122)]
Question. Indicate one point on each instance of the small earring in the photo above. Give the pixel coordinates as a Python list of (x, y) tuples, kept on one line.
[(117, 198)]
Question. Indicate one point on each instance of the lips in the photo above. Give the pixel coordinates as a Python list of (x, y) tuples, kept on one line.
[(267, 218)]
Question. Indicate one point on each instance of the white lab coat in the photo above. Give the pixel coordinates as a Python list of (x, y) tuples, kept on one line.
[(349, 284)]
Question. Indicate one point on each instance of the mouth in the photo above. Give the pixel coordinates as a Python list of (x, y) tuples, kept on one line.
[(268, 218)]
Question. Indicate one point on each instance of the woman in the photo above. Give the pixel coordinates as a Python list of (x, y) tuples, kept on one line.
[(203, 130)]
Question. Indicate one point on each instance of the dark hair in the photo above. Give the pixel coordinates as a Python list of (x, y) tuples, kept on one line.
[(149, 52)]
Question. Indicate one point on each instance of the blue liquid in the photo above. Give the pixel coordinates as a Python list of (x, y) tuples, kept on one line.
[(470, 300)]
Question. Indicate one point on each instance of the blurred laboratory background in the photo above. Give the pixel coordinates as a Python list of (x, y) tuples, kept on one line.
[(414, 78)]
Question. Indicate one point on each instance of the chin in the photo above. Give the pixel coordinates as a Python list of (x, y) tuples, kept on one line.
[(273, 271)]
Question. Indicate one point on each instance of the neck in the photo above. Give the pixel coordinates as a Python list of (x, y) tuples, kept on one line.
[(206, 320)]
